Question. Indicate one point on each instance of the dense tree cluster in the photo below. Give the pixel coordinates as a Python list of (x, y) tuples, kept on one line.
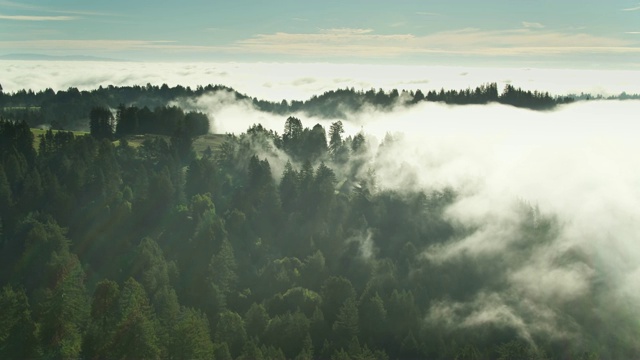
[(68, 109), (164, 120), (114, 252)]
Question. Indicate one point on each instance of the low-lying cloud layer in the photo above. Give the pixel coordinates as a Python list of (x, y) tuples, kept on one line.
[(277, 81), (578, 166)]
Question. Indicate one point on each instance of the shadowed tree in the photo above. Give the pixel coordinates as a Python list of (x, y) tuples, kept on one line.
[(230, 330), (256, 320), (292, 136), (136, 334), (339, 152), (101, 123), (289, 188), (98, 342), (346, 326), (17, 329), (191, 338)]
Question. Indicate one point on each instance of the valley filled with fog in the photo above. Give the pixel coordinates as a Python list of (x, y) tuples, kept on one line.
[(469, 231)]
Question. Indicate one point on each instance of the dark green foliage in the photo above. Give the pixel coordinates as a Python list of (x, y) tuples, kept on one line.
[(256, 320), (346, 326), (120, 252), (223, 268), (201, 178), (68, 109), (101, 123), (136, 328), (373, 320), (191, 338), (288, 332), (230, 330), (17, 328), (335, 292), (162, 121), (98, 340)]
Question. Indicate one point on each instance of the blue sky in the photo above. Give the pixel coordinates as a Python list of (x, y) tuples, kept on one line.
[(568, 33)]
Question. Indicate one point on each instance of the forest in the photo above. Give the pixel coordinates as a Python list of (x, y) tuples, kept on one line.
[(156, 251), (68, 110)]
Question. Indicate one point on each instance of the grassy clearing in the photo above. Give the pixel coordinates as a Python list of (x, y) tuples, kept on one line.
[(200, 144), (38, 132), (135, 141), (10, 108)]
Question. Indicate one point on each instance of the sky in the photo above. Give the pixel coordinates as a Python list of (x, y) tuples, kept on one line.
[(536, 33)]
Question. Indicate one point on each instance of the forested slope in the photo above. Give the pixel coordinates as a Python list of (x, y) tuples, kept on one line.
[(110, 252), (69, 109)]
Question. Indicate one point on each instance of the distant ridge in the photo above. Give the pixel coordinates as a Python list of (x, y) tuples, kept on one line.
[(55, 57)]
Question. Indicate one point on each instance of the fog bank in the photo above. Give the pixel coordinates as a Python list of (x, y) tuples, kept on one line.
[(291, 81)]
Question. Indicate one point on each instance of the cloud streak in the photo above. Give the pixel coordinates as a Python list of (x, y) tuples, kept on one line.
[(634, 8), (90, 45), (365, 42), (532, 25), (533, 42), (36, 18)]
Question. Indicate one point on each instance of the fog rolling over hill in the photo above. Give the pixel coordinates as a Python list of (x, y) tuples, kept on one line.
[(410, 230), (549, 203), (319, 180)]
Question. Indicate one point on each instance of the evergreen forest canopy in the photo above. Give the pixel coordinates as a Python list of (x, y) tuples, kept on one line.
[(69, 109), (114, 251)]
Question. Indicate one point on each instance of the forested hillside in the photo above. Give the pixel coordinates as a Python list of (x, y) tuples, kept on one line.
[(113, 252), (69, 109)]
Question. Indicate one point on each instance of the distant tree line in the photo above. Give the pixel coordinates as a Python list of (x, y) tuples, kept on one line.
[(135, 121), (110, 251), (68, 109)]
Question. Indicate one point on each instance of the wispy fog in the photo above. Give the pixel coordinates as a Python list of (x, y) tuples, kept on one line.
[(578, 166)]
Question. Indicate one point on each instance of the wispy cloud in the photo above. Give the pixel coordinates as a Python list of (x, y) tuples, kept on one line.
[(96, 45), (36, 18), (346, 31), (365, 42), (532, 25), (635, 8), (14, 5), (398, 24)]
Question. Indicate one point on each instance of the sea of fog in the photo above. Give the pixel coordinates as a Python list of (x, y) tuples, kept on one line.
[(578, 164), (277, 81)]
